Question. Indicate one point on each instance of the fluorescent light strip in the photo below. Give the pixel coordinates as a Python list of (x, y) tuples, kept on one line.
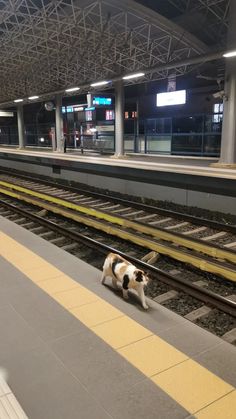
[(72, 89), (33, 97), (18, 100), (230, 54), (133, 76), (99, 83)]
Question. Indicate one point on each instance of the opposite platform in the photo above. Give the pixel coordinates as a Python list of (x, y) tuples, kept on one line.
[(75, 349), (187, 181)]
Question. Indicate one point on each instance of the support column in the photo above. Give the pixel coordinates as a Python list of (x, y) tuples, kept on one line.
[(119, 118), (228, 139), (136, 121), (21, 127), (59, 124)]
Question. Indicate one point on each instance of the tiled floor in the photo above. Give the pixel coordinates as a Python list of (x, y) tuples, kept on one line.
[(9, 406), (75, 349)]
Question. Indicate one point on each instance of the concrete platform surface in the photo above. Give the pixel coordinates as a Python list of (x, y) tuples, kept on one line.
[(73, 348), (177, 164)]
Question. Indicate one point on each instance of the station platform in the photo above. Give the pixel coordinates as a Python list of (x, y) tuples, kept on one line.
[(189, 181), (203, 166), (73, 348)]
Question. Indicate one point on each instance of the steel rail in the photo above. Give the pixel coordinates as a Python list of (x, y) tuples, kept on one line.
[(202, 263), (148, 208), (159, 233), (208, 297)]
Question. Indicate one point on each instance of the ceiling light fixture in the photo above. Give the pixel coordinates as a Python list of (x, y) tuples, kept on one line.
[(133, 76), (99, 83), (18, 100), (33, 97), (230, 54), (72, 89)]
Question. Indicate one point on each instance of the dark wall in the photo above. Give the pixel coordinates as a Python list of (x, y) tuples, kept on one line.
[(36, 113), (9, 121), (199, 95), (196, 103)]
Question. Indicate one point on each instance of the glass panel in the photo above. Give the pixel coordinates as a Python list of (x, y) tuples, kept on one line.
[(129, 142), (129, 126), (141, 144), (163, 125), (160, 144), (39, 135), (141, 126), (13, 132), (31, 135), (213, 123), (151, 126), (4, 135), (188, 124), (44, 135), (106, 136), (107, 143), (187, 144), (211, 145), (9, 135)]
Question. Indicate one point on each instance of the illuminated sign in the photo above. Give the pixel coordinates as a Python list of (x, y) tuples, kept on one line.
[(102, 101), (89, 116), (105, 128), (171, 98), (110, 115), (78, 109), (67, 109), (6, 113)]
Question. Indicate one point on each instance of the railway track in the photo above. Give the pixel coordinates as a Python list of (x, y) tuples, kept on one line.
[(68, 236), (214, 251)]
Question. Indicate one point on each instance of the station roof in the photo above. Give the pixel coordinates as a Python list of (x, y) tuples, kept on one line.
[(47, 45)]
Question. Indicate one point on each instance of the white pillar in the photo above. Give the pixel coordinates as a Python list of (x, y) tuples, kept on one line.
[(119, 118), (228, 139), (136, 130), (59, 123), (21, 127)]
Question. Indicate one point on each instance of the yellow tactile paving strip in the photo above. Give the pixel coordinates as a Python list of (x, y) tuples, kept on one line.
[(194, 387)]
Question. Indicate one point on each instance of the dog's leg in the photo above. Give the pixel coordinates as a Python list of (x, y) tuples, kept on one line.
[(125, 287), (114, 283), (103, 278), (142, 297), (125, 294)]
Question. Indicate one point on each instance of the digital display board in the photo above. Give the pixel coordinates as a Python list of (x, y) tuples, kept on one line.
[(67, 109), (102, 101), (177, 97), (110, 115), (89, 115)]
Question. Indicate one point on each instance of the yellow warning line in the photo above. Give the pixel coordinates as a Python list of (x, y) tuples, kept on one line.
[(194, 387), (154, 232), (199, 263)]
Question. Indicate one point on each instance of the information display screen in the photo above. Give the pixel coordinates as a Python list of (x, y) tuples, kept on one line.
[(102, 101), (110, 115), (171, 98)]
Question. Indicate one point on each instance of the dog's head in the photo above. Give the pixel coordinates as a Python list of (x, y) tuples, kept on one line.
[(141, 277)]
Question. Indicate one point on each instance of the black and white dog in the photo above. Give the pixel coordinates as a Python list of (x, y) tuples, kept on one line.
[(120, 270)]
